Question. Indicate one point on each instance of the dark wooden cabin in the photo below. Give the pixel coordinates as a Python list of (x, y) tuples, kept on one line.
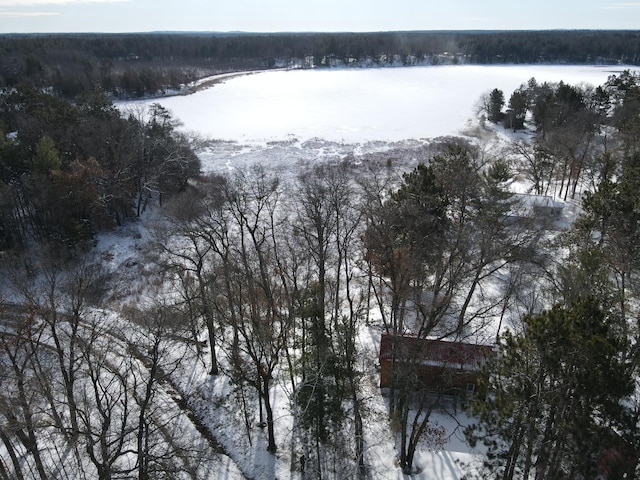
[(439, 365)]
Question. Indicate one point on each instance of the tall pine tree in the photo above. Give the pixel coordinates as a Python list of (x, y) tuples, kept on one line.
[(554, 396)]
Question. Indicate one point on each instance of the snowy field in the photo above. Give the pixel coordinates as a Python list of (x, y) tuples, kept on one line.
[(290, 119)]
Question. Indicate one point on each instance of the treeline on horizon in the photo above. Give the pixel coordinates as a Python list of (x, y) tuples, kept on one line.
[(136, 65)]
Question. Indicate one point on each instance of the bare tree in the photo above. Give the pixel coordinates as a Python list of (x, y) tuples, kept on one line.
[(189, 244), (256, 303), (159, 455), (19, 399), (536, 165), (64, 358), (328, 224)]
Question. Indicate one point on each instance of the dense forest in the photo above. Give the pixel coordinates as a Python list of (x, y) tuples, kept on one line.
[(238, 325), (74, 169), (145, 64)]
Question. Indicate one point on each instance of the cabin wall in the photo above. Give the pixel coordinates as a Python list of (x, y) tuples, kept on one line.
[(437, 378)]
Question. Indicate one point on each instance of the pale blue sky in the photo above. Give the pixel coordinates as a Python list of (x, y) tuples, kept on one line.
[(26, 16)]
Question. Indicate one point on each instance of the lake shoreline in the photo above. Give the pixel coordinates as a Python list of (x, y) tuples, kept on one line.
[(353, 105)]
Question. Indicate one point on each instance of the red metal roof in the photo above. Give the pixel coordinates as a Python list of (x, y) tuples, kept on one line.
[(436, 352)]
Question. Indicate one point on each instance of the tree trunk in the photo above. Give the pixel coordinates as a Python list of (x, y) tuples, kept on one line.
[(143, 428), (271, 447), (209, 320), (404, 430), (467, 300), (514, 451), (212, 347), (12, 453), (66, 355), (28, 439), (418, 428)]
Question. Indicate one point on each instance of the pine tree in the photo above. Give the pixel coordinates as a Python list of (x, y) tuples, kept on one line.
[(517, 111), (554, 395), (496, 102)]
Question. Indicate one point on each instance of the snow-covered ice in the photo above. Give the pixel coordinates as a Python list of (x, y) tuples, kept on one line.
[(357, 105)]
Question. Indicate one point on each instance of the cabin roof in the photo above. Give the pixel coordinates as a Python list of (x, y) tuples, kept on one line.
[(468, 356), (534, 200)]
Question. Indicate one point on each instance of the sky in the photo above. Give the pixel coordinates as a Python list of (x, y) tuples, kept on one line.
[(59, 16)]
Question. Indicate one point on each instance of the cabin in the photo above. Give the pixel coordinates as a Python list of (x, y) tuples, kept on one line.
[(538, 207), (438, 365)]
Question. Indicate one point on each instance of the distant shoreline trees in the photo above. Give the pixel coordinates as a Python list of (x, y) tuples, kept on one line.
[(146, 64)]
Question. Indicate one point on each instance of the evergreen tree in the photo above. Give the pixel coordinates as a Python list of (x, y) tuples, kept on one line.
[(46, 157), (496, 102), (555, 394), (516, 111), (610, 224), (441, 238)]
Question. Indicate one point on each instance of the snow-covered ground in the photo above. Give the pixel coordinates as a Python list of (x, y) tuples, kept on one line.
[(287, 120)]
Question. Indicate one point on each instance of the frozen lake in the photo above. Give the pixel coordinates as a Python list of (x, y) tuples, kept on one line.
[(357, 105)]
